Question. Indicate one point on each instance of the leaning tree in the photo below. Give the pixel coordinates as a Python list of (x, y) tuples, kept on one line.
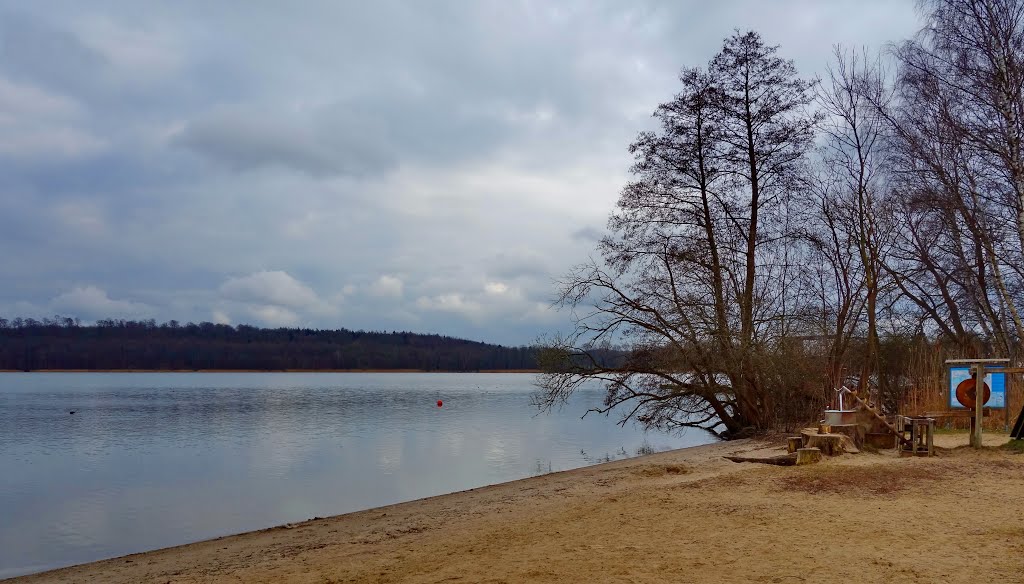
[(696, 278)]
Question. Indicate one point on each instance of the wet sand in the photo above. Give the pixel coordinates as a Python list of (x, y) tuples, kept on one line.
[(681, 516)]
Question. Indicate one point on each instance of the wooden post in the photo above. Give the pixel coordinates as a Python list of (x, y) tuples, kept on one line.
[(931, 433), (1006, 401), (979, 397)]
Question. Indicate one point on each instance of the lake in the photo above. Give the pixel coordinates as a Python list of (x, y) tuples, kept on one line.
[(151, 460)]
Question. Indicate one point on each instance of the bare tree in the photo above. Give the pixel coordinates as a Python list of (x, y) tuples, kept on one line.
[(958, 133), (850, 225), (701, 240)]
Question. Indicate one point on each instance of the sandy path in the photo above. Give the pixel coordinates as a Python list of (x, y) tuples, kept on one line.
[(681, 516)]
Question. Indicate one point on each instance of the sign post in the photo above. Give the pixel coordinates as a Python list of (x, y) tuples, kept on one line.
[(979, 393), (967, 379)]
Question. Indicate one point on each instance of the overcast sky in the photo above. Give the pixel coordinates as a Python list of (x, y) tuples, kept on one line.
[(427, 166)]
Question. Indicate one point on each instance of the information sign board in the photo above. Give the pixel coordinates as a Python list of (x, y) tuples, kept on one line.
[(995, 379)]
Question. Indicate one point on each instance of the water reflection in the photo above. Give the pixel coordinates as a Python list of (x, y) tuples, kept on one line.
[(152, 460)]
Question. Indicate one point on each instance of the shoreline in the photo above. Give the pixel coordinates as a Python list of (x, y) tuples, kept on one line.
[(682, 515), (264, 371)]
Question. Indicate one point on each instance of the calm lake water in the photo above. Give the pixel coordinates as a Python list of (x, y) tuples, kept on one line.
[(151, 460)]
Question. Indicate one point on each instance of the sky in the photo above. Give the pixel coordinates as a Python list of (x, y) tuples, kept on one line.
[(422, 166)]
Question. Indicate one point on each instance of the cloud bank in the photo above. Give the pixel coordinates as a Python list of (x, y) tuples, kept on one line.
[(427, 166)]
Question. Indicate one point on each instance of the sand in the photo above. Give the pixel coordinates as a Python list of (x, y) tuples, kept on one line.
[(680, 516)]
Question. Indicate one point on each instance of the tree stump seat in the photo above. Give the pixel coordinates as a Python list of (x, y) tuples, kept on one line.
[(830, 444), (854, 431), (808, 456), (793, 443)]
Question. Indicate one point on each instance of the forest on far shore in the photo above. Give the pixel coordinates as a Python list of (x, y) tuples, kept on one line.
[(64, 343)]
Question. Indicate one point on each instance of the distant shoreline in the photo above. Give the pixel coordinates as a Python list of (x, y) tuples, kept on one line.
[(134, 346), (264, 371)]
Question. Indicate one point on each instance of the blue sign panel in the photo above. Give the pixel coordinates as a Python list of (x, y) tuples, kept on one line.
[(993, 377)]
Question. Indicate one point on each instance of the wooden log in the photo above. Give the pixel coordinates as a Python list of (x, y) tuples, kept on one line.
[(828, 444), (793, 443), (781, 460), (807, 456)]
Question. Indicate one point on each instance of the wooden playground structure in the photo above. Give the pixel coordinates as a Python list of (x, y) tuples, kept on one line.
[(981, 388), (851, 426)]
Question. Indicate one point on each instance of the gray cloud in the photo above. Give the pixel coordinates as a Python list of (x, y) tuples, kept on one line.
[(385, 165), (33, 49), (246, 141)]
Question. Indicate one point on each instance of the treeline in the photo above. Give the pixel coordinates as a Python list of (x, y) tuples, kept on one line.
[(64, 343), (783, 236)]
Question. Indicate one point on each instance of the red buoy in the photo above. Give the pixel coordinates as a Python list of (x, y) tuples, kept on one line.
[(440, 403)]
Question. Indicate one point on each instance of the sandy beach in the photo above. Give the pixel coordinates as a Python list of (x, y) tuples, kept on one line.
[(681, 516)]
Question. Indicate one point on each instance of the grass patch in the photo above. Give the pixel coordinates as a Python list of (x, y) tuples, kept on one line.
[(1014, 446), (878, 480)]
